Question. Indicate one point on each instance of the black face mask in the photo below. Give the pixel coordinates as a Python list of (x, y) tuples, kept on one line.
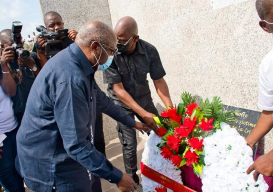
[(122, 48)]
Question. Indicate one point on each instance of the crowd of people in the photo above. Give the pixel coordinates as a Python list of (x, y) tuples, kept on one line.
[(51, 128)]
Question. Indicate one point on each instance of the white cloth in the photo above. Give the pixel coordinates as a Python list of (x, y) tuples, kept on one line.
[(8, 121), (266, 83), (2, 138)]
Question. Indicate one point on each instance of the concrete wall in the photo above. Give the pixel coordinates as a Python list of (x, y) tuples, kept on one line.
[(75, 14), (206, 48)]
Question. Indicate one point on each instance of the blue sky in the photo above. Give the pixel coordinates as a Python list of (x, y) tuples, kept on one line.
[(26, 11)]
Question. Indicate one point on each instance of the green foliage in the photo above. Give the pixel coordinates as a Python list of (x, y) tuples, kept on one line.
[(206, 108), (187, 98), (216, 106)]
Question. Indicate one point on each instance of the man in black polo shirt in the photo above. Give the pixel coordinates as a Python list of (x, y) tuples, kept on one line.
[(23, 72), (129, 88)]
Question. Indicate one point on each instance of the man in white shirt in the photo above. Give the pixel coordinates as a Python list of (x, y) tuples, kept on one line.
[(264, 164)]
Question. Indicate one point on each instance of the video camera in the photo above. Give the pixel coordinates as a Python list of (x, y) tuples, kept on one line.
[(17, 39), (54, 44)]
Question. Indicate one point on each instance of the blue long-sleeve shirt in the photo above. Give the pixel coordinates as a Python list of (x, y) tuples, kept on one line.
[(54, 140)]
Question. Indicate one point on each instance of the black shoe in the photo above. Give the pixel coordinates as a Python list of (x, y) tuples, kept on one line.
[(136, 179)]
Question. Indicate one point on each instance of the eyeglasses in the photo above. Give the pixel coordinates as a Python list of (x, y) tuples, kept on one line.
[(267, 22), (113, 51), (119, 41)]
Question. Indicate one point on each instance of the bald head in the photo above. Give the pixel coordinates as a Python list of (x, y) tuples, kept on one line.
[(264, 8), (95, 31), (5, 37), (126, 25), (50, 14)]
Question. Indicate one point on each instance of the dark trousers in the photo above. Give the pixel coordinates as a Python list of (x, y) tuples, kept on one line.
[(99, 143), (127, 137), (10, 180)]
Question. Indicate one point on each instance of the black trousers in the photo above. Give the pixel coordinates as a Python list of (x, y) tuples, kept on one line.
[(127, 137)]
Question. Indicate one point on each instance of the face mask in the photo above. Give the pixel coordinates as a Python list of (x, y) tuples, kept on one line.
[(123, 48), (107, 64)]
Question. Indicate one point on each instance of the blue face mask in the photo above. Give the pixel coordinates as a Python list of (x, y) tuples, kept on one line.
[(107, 64)]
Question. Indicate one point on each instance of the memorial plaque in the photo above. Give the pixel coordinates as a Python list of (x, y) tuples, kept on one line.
[(245, 121)]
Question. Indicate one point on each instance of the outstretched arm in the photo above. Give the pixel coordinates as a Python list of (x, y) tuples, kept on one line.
[(163, 91)]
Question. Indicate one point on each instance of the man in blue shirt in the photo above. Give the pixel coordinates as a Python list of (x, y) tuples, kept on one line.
[(54, 141)]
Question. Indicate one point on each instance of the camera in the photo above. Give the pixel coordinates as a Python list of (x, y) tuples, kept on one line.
[(54, 44), (17, 39)]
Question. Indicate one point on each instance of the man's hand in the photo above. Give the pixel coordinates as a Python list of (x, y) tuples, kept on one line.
[(148, 118), (126, 184), (263, 165), (141, 127), (7, 55), (72, 34), (29, 62), (42, 43)]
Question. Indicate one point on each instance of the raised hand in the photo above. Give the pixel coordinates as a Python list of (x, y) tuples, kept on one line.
[(72, 34)]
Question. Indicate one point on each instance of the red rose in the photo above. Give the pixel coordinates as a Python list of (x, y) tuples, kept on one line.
[(206, 126), (191, 157), (195, 143), (191, 107), (173, 143), (161, 131), (166, 153)]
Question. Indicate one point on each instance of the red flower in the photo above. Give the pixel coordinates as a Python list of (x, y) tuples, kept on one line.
[(191, 157), (169, 113), (176, 118), (161, 131), (176, 160), (166, 153), (191, 107), (206, 126), (195, 143), (182, 132), (173, 143), (190, 124), (161, 189)]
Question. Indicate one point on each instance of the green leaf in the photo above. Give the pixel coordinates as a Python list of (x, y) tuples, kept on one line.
[(198, 168), (183, 162), (199, 152), (187, 98), (169, 132), (181, 108), (187, 148), (206, 108), (217, 106), (174, 124), (157, 121)]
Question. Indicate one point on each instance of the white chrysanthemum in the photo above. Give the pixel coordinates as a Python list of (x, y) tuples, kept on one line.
[(227, 157), (151, 157)]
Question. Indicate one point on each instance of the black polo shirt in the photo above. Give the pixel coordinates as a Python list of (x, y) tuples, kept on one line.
[(131, 70), (28, 77)]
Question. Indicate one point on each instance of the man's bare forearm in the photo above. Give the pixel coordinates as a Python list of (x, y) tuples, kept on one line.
[(163, 92)]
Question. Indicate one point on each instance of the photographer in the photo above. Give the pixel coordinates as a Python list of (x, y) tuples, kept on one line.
[(23, 72), (53, 23)]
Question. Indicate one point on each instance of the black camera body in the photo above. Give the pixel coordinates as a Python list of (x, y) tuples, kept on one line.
[(54, 44), (18, 48)]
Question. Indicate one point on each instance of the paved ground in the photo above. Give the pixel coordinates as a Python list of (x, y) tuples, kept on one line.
[(114, 155)]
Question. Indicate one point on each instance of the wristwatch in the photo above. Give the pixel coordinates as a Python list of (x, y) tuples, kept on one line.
[(34, 68)]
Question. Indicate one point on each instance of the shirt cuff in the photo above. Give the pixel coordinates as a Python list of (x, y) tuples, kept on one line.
[(129, 121), (115, 176)]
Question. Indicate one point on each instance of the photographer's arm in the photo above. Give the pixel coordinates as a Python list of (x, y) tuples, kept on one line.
[(7, 82)]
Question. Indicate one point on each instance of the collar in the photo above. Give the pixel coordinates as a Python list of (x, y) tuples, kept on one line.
[(85, 64)]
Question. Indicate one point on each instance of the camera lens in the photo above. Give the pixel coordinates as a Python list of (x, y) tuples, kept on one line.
[(24, 54)]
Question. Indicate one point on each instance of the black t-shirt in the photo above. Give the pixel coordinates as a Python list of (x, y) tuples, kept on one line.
[(28, 77)]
